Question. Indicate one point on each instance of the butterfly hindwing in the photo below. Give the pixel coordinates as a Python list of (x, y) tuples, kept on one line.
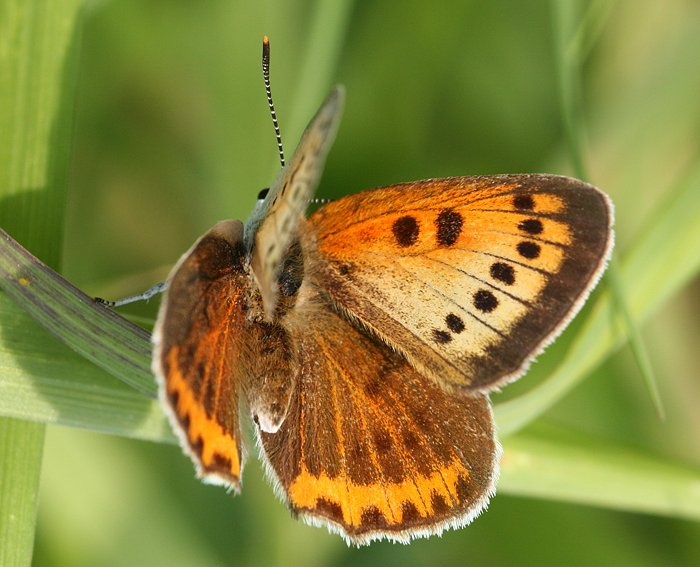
[(469, 277), (370, 447)]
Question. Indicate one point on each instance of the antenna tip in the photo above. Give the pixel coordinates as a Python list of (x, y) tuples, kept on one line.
[(266, 41)]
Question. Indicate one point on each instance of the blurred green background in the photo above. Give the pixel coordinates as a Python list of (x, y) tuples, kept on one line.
[(173, 134)]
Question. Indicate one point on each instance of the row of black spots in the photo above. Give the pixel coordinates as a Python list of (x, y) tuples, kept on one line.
[(449, 224), (526, 248), (448, 228), (483, 300), (455, 325)]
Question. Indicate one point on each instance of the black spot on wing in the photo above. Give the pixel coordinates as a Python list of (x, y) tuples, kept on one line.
[(485, 301), (529, 250), (449, 226), (503, 273), (406, 231), (531, 226)]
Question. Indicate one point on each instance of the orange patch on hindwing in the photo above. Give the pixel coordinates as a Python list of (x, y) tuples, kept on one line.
[(366, 507)]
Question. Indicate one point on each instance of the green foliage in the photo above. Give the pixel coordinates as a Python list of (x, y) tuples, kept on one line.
[(38, 60), (172, 134)]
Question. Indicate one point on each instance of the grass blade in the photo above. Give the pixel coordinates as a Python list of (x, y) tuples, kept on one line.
[(557, 464), (38, 70), (21, 449), (90, 329), (518, 412), (44, 382)]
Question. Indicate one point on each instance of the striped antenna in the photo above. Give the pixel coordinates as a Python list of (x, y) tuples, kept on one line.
[(266, 77)]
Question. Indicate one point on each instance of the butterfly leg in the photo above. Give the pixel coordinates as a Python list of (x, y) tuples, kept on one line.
[(144, 296)]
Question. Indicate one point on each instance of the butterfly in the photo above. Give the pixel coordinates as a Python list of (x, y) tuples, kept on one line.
[(363, 341)]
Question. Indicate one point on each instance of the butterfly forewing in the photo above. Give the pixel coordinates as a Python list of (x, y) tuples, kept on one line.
[(271, 231), (198, 346), (468, 277)]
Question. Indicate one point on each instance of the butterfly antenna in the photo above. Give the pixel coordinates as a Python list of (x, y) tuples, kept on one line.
[(266, 77)]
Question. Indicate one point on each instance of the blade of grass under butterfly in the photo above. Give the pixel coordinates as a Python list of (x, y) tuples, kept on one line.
[(90, 329), (662, 260), (550, 462), (44, 382), (38, 70)]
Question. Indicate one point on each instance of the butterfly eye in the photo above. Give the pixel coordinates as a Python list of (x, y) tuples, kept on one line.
[(263, 193)]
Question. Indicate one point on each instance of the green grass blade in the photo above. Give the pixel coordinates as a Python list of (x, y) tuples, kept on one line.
[(38, 71), (639, 350), (43, 382), (574, 47), (90, 329), (569, 51), (320, 60), (21, 449), (574, 34), (568, 66), (557, 464)]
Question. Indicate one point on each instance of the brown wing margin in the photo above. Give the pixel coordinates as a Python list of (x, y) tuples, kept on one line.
[(370, 448), (197, 344)]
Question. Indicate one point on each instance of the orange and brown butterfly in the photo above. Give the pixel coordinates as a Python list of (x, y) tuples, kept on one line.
[(364, 340)]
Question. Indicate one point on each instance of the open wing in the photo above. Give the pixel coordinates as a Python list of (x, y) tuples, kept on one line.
[(469, 277)]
